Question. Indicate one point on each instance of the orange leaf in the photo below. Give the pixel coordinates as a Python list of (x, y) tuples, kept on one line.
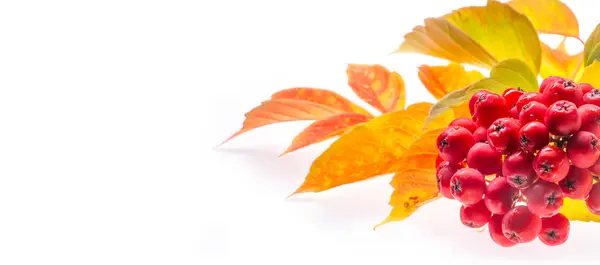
[(325, 129), (321, 96), (283, 110), (376, 85), (559, 62), (439, 80), (415, 183), (462, 110), (370, 149)]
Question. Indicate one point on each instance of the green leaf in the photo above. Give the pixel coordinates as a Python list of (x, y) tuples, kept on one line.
[(591, 50), (508, 73)]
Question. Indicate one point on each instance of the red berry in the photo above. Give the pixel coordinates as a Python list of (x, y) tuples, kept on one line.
[(438, 160), (495, 227), (551, 164), (585, 88), (544, 198), (595, 168), (518, 171), (480, 135), (533, 136), (550, 81), (562, 118), (490, 107), (503, 135), (454, 143), (511, 96), (513, 113), (444, 173), (592, 97), (528, 97), (500, 196), (520, 225), (555, 230), (532, 111), (566, 90), (577, 184), (475, 216), (583, 148), (474, 99), (484, 158), (467, 186), (465, 123), (590, 118), (593, 199)]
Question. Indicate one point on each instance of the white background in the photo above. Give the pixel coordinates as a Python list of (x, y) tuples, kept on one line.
[(110, 112)]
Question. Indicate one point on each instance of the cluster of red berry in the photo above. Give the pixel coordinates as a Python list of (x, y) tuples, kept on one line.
[(521, 154)]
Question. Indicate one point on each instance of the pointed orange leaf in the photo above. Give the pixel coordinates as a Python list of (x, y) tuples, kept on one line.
[(283, 110), (415, 183), (324, 129), (562, 20), (378, 86), (370, 149), (321, 96), (439, 80)]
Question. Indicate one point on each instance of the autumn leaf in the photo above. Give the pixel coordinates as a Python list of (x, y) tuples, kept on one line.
[(562, 20), (508, 73), (415, 183), (381, 88), (439, 80), (320, 96), (591, 48), (591, 74), (499, 29), (576, 210), (325, 129), (560, 63), (370, 149)]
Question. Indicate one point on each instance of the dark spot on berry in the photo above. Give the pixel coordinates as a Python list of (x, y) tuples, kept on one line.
[(563, 107), (570, 184), (512, 236), (546, 167), (519, 180), (553, 235), (481, 98), (596, 178), (551, 200), (443, 143), (455, 186), (524, 141), (471, 224), (497, 127), (595, 93), (526, 106), (569, 83), (438, 181), (516, 197), (594, 143)]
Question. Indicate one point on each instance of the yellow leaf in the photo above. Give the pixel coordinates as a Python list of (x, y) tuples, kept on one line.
[(549, 16), (439, 80), (376, 85), (576, 210), (415, 183), (502, 31), (370, 149), (559, 62), (439, 38), (591, 49), (591, 74), (508, 73)]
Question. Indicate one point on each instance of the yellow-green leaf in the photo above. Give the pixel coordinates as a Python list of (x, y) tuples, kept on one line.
[(576, 210), (549, 16), (559, 62), (370, 149), (591, 49), (591, 74), (502, 31), (508, 73), (439, 80)]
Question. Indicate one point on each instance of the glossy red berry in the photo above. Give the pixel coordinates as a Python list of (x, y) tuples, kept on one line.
[(595, 168), (490, 107), (454, 143), (511, 96), (465, 123), (593, 199), (577, 184), (444, 173), (532, 111), (592, 97), (585, 88), (533, 136), (590, 118), (550, 81), (520, 225), (475, 216), (555, 230), (551, 164), (518, 171), (583, 148), (495, 228), (474, 99), (438, 160), (544, 198), (500, 196), (484, 158), (503, 135), (513, 113), (566, 90), (467, 186), (528, 97), (480, 135), (562, 118)]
